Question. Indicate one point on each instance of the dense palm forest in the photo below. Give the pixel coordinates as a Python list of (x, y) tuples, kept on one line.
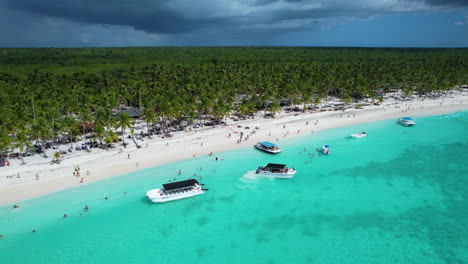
[(49, 92)]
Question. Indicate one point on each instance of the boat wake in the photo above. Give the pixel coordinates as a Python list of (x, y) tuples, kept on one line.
[(249, 181), (249, 176)]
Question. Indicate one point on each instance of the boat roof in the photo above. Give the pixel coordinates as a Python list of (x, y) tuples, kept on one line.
[(179, 185), (267, 144), (407, 118), (326, 146), (275, 166)]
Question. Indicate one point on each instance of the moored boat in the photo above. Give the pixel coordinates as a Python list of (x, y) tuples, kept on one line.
[(276, 171), (268, 147), (175, 191), (358, 135), (325, 150), (407, 121)]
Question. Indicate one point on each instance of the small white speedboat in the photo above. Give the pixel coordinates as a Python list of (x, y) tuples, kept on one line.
[(359, 135), (274, 170), (175, 191), (325, 150), (268, 147), (407, 121)]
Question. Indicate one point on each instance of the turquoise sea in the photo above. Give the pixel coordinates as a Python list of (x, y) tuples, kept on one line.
[(399, 195)]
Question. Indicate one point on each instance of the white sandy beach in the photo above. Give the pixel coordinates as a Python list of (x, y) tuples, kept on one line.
[(18, 182)]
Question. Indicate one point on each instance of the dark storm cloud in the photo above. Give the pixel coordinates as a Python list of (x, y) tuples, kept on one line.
[(185, 22), (149, 16), (178, 16)]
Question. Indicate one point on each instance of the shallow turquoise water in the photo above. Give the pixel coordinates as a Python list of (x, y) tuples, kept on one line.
[(399, 195)]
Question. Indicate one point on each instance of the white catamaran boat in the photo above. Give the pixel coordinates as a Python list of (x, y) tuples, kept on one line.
[(268, 147), (276, 171), (407, 121), (175, 191), (359, 135)]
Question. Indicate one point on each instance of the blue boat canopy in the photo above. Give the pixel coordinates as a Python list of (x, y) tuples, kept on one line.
[(267, 144), (326, 146), (407, 118)]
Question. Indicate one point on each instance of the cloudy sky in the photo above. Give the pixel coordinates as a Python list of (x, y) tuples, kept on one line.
[(375, 23)]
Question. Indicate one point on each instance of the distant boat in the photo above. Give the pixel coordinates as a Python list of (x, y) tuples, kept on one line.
[(407, 121), (359, 135), (175, 191), (274, 170), (325, 150), (268, 147)]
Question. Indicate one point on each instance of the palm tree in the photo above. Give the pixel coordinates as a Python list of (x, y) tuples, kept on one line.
[(22, 141), (111, 137), (148, 116), (100, 132), (40, 130), (69, 124), (5, 142), (275, 107), (123, 122), (57, 156)]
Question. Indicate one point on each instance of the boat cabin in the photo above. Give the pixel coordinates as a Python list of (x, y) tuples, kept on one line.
[(276, 168), (269, 145), (180, 186)]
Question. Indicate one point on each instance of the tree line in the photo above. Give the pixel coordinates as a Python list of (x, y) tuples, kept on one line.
[(39, 104)]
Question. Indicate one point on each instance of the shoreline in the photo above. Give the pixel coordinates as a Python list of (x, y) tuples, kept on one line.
[(103, 164)]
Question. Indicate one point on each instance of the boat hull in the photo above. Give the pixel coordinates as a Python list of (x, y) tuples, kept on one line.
[(267, 150), (358, 135), (276, 175), (407, 123), (155, 197)]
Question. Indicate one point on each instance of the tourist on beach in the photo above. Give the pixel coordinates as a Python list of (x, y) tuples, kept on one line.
[(82, 179), (87, 172), (1, 236), (129, 156), (65, 215), (15, 206), (86, 208), (137, 164), (180, 172), (106, 198), (216, 158)]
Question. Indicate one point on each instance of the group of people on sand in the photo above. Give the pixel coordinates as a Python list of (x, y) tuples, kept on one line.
[(77, 173)]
